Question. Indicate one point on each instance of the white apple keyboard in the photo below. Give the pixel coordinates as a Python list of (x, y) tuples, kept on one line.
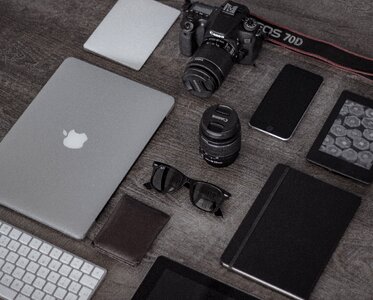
[(31, 268)]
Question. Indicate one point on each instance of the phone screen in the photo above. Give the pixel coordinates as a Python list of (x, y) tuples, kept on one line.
[(286, 102)]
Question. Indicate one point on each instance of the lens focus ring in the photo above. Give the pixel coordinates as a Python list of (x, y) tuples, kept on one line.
[(219, 149), (207, 70)]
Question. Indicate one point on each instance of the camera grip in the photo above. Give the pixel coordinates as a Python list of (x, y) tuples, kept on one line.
[(187, 42)]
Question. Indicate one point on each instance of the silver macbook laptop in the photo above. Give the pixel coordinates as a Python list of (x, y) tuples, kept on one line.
[(71, 148), (131, 31)]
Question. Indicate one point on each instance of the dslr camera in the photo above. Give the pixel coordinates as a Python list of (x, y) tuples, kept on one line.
[(217, 38)]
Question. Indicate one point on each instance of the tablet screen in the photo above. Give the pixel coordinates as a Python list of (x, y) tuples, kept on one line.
[(351, 136), (169, 280), (176, 286)]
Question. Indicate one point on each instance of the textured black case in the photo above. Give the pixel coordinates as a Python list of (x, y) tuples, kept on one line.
[(291, 231)]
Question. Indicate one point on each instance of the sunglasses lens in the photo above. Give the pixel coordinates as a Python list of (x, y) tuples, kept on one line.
[(167, 179), (206, 196)]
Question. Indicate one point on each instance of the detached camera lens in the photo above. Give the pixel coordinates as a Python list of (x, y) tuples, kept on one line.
[(220, 135)]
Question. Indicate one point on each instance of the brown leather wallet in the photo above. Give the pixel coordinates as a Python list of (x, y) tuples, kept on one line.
[(130, 231)]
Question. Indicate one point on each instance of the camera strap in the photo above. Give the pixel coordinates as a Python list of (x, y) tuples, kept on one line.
[(318, 49)]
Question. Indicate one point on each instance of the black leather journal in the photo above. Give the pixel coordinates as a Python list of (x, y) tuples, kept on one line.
[(291, 231), (130, 231)]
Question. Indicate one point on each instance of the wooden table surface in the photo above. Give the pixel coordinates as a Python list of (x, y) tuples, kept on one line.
[(36, 36)]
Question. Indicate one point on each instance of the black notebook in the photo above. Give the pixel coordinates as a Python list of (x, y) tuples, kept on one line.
[(290, 232)]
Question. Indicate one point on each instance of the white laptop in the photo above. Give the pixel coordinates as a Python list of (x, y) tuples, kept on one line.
[(131, 31), (71, 148)]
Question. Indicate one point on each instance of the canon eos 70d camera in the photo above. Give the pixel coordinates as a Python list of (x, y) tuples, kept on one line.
[(217, 37)]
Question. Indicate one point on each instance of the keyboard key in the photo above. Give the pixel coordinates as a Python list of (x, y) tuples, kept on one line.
[(65, 270), (5, 229), (60, 293), (13, 246), (45, 248), (74, 287), (37, 295), (22, 262), (76, 263), (44, 260), (4, 240), (88, 281), (49, 288), (18, 273), (87, 268), (33, 255), (53, 277), (6, 280), (75, 275), (27, 290), (84, 293), (15, 234), (64, 282), (55, 253), (49, 297), (12, 257), (17, 285), (6, 292), (24, 250), (35, 243), (43, 272), (54, 265), (8, 268), (3, 252), (98, 273), (22, 297), (25, 238), (71, 296), (28, 278), (39, 283), (32, 267), (66, 258)]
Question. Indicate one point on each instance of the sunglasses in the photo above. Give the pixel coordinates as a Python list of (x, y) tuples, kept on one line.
[(206, 196)]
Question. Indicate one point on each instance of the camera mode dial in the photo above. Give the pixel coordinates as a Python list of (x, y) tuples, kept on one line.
[(250, 24)]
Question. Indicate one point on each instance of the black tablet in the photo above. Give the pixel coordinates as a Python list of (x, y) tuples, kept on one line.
[(345, 143), (169, 280)]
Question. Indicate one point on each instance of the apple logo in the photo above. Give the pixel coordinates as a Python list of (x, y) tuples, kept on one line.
[(74, 140)]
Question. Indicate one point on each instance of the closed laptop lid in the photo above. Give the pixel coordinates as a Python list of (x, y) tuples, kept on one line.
[(65, 156), (131, 31)]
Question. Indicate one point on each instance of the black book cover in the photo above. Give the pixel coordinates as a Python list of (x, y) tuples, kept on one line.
[(291, 231)]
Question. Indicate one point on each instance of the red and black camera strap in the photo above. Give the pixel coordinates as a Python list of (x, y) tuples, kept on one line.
[(318, 49)]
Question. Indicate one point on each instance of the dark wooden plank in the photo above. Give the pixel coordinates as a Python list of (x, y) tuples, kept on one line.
[(36, 36)]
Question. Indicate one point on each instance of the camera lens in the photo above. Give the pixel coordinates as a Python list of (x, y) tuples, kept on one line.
[(220, 135), (207, 69)]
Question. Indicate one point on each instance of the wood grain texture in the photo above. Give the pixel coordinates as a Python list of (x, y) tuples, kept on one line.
[(36, 36)]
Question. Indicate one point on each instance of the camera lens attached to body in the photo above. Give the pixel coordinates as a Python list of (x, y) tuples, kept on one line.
[(220, 135), (207, 69)]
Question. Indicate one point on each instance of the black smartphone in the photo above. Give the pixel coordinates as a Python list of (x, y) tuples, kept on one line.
[(286, 102)]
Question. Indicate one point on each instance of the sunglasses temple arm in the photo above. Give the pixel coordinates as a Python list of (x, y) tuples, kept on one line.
[(148, 185)]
